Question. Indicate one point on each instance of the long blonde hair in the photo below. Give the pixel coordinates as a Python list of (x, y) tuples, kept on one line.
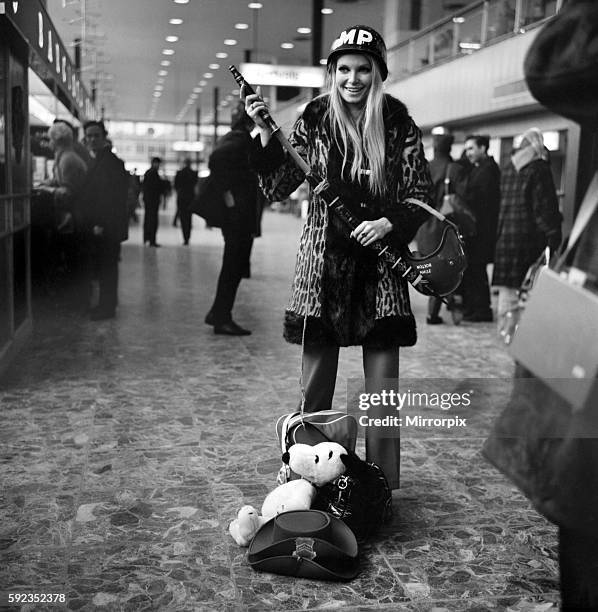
[(365, 135)]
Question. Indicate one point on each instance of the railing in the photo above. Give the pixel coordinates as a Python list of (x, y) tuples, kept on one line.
[(467, 31)]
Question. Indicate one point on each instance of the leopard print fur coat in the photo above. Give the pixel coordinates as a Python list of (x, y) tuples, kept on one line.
[(350, 296)]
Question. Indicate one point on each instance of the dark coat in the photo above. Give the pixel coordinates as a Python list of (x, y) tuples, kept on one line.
[(184, 183), (351, 297), (106, 190), (230, 170), (153, 186), (482, 195), (529, 221)]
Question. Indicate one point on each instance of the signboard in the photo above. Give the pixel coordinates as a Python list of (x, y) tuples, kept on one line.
[(30, 18), (283, 76)]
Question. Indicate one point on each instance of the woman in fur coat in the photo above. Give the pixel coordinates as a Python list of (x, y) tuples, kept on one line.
[(369, 149)]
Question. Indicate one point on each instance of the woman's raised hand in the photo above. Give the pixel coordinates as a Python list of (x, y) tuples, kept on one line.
[(253, 105)]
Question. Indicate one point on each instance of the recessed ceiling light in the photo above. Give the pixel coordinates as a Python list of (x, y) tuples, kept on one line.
[(193, 96), (224, 103), (160, 81), (165, 63), (231, 42), (327, 11), (214, 66), (159, 88), (172, 38), (221, 55), (241, 26), (162, 72), (175, 21), (255, 5), (181, 1), (304, 30), (208, 75), (287, 45), (202, 83), (157, 94), (197, 90), (167, 51)]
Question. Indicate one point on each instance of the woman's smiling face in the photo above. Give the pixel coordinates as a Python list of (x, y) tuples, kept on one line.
[(353, 78)]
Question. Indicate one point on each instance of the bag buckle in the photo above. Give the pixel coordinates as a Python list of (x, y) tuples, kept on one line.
[(304, 549), (342, 483), (284, 474)]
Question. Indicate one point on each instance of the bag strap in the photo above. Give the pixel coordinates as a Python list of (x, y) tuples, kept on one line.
[(447, 178), (427, 208), (284, 432), (586, 210)]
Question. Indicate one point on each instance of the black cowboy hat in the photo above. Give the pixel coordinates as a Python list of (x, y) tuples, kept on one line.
[(307, 544)]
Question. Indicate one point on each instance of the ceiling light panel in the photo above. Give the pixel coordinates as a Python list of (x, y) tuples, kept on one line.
[(172, 39), (175, 21), (230, 42)]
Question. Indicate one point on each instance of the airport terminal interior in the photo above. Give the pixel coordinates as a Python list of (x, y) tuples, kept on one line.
[(129, 442)]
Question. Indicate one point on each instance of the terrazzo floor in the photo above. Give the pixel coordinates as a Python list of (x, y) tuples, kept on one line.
[(128, 445)]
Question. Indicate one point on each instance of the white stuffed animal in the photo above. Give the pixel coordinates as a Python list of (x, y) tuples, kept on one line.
[(293, 495), (317, 465), (320, 464)]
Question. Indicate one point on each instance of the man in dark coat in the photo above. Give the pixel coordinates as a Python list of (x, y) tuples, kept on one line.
[(482, 195), (184, 184), (106, 216), (152, 188), (446, 176), (232, 176)]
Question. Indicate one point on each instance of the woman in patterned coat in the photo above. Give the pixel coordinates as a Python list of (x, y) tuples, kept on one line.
[(529, 218), (369, 149)]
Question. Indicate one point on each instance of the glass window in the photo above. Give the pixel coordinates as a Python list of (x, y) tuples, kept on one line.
[(501, 18)]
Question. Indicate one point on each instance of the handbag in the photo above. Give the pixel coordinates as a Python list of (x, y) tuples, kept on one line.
[(513, 315), (561, 65), (209, 203), (557, 337), (363, 503), (549, 452)]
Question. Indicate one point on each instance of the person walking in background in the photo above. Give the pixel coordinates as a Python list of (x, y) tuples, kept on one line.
[(106, 216), (529, 219), (370, 150), (184, 184), (233, 177), (153, 189), (446, 176), (482, 196)]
